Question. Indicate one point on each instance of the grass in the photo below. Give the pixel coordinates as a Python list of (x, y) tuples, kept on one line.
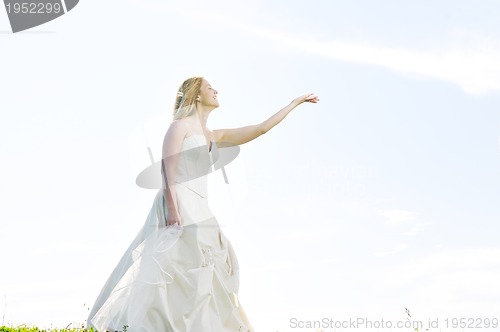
[(23, 328), (36, 329)]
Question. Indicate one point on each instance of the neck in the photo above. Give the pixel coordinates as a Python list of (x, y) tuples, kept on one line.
[(202, 114)]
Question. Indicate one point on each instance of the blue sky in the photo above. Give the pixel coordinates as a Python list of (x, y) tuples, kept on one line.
[(382, 196)]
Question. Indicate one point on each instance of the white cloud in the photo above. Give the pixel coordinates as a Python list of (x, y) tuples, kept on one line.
[(418, 228), (445, 282), (274, 266), (397, 217), (470, 64), (476, 71), (295, 235), (391, 251), (448, 261)]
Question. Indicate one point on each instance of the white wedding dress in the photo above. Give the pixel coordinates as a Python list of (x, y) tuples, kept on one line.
[(172, 279)]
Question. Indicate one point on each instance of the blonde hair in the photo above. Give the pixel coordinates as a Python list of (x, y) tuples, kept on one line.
[(185, 101)]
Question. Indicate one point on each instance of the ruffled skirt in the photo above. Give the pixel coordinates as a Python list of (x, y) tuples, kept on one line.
[(173, 279)]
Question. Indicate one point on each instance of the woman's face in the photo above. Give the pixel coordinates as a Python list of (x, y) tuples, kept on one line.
[(208, 95)]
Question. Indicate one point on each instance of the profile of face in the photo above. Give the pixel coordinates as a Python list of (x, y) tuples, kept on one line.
[(208, 95)]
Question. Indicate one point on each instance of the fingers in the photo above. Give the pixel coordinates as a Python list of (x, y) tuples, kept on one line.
[(175, 225), (174, 222), (311, 98)]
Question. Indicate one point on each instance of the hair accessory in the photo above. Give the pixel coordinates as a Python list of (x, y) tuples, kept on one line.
[(180, 94)]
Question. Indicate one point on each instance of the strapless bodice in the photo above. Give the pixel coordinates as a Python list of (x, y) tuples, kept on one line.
[(194, 164)]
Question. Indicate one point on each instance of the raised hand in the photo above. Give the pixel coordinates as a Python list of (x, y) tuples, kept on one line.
[(310, 98)]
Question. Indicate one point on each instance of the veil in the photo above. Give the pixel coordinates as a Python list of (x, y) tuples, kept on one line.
[(139, 266)]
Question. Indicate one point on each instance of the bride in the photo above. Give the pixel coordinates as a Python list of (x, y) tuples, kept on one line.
[(180, 274)]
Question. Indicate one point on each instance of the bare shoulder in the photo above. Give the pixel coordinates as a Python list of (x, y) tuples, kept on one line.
[(178, 128), (176, 132)]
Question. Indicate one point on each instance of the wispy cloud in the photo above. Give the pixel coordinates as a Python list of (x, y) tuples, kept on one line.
[(391, 251), (472, 64), (450, 272), (475, 70), (397, 217), (295, 235), (275, 266), (418, 228)]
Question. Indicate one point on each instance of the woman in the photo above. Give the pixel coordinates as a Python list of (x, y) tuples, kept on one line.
[(181, 273)]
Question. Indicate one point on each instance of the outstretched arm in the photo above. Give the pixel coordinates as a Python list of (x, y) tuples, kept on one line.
[(237, 136)]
